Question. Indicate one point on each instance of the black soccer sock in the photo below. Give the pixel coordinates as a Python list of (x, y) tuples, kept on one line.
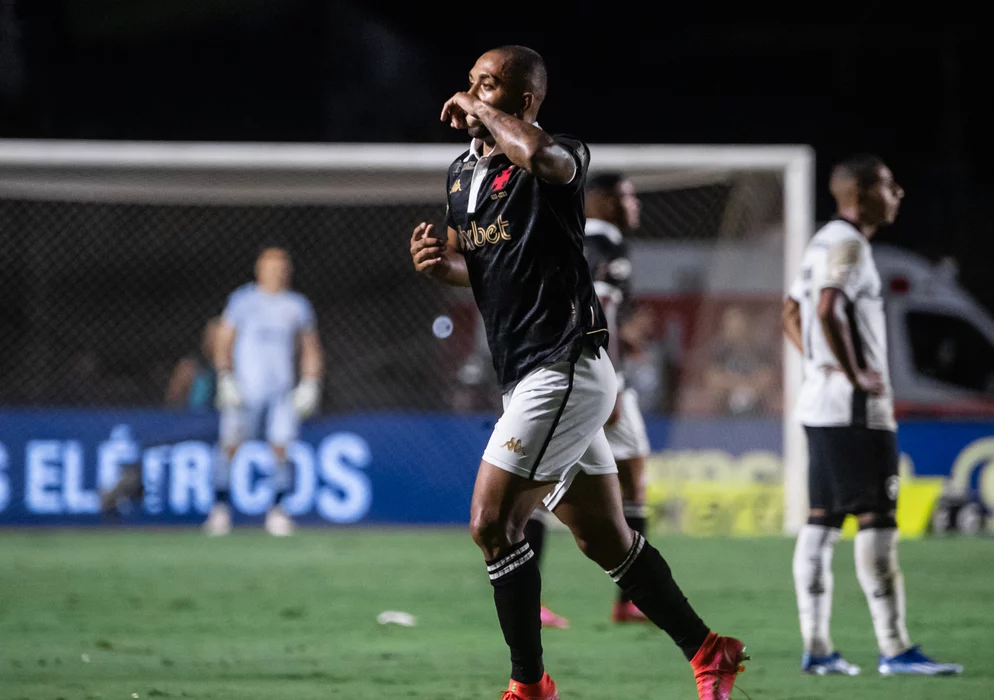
[(517, 586), (647, 580), (535, 534), (635, 517)]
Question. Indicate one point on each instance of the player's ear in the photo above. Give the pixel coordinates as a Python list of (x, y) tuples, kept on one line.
[(527, 100)]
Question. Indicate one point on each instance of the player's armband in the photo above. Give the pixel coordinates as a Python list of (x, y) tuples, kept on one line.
[(841, 265)]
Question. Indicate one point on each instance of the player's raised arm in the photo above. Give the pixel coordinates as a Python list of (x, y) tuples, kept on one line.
[(439, 257), (506, 90), (529, 147)]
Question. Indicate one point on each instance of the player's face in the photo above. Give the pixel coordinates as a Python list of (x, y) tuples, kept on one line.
[(881, 201), (273, 269), (488, 83), (630, 204)]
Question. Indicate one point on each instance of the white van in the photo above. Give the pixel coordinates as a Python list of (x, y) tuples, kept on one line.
[(941, 341)]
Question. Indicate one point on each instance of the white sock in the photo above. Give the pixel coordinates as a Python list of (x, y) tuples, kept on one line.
[(813, 583), (883, 585)]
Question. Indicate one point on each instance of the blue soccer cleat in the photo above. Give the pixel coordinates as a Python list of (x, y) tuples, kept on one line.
[(914, 662), (831, 665)]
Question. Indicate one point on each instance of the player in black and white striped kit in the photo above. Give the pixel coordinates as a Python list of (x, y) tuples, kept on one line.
[(834, 315), (612, 209)]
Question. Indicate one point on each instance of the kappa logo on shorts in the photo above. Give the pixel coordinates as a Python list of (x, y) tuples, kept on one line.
[(515, 447)]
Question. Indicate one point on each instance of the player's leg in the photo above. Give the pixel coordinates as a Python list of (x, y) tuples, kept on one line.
[(630, 446), (812, 565), (872, 487), (587, 499), (544, 430), (502, 504), (235, 425), (282, 428), (535, 530), (591, 507)]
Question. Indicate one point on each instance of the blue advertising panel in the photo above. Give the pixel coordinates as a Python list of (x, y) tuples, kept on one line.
[(369, 469)]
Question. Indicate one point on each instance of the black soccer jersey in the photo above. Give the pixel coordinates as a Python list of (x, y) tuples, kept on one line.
[(611, 269), (523, 243)]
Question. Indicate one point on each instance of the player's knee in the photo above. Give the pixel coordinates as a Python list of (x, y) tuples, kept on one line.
[(818, 516), (489, 532), (877, 521)]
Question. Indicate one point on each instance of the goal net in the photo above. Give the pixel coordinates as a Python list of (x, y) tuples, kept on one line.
[(115, 256)]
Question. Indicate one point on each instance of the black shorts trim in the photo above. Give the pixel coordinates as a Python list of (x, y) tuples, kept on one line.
[(852, 470), (555, 422)]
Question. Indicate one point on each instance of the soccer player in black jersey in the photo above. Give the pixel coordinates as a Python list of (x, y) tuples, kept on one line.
[(515, 235)]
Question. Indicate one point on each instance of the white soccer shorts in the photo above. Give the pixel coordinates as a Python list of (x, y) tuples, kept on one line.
[(628, 437), (553, 424), (238, 425)]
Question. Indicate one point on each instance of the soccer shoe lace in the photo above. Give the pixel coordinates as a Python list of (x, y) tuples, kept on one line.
[(716, 664)]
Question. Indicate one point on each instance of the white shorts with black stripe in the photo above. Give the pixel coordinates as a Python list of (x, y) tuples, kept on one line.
[(553, 423), (628, 437)]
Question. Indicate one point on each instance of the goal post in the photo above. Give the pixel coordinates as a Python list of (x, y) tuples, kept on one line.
[(67, 207)]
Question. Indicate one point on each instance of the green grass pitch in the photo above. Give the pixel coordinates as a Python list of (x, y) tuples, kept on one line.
[(119, 615)]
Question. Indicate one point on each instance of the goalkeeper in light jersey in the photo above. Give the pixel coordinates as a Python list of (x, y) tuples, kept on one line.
[(263, 325)]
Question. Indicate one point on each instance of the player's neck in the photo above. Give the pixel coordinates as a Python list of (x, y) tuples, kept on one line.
[(851, 215), (488, 148), (271, 289)]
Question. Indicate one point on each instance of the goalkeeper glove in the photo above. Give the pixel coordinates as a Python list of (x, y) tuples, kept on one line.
[(228, 393), (306, 397)]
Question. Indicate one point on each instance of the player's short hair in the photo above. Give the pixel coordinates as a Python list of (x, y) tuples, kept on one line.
[(527, 66), (864, 168), (605, 181), (272, 245)]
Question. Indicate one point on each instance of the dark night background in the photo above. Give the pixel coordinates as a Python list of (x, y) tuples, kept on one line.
[(917, 92)]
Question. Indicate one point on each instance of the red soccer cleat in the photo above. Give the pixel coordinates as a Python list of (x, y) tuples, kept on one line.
[(545, 689), (716, 664), (627, 612), (550, 619)]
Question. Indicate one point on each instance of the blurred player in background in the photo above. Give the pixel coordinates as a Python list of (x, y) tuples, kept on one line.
[(192, 386), (515, 235), (193, 383), (261, 330), (612, 209), (834, 315)]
